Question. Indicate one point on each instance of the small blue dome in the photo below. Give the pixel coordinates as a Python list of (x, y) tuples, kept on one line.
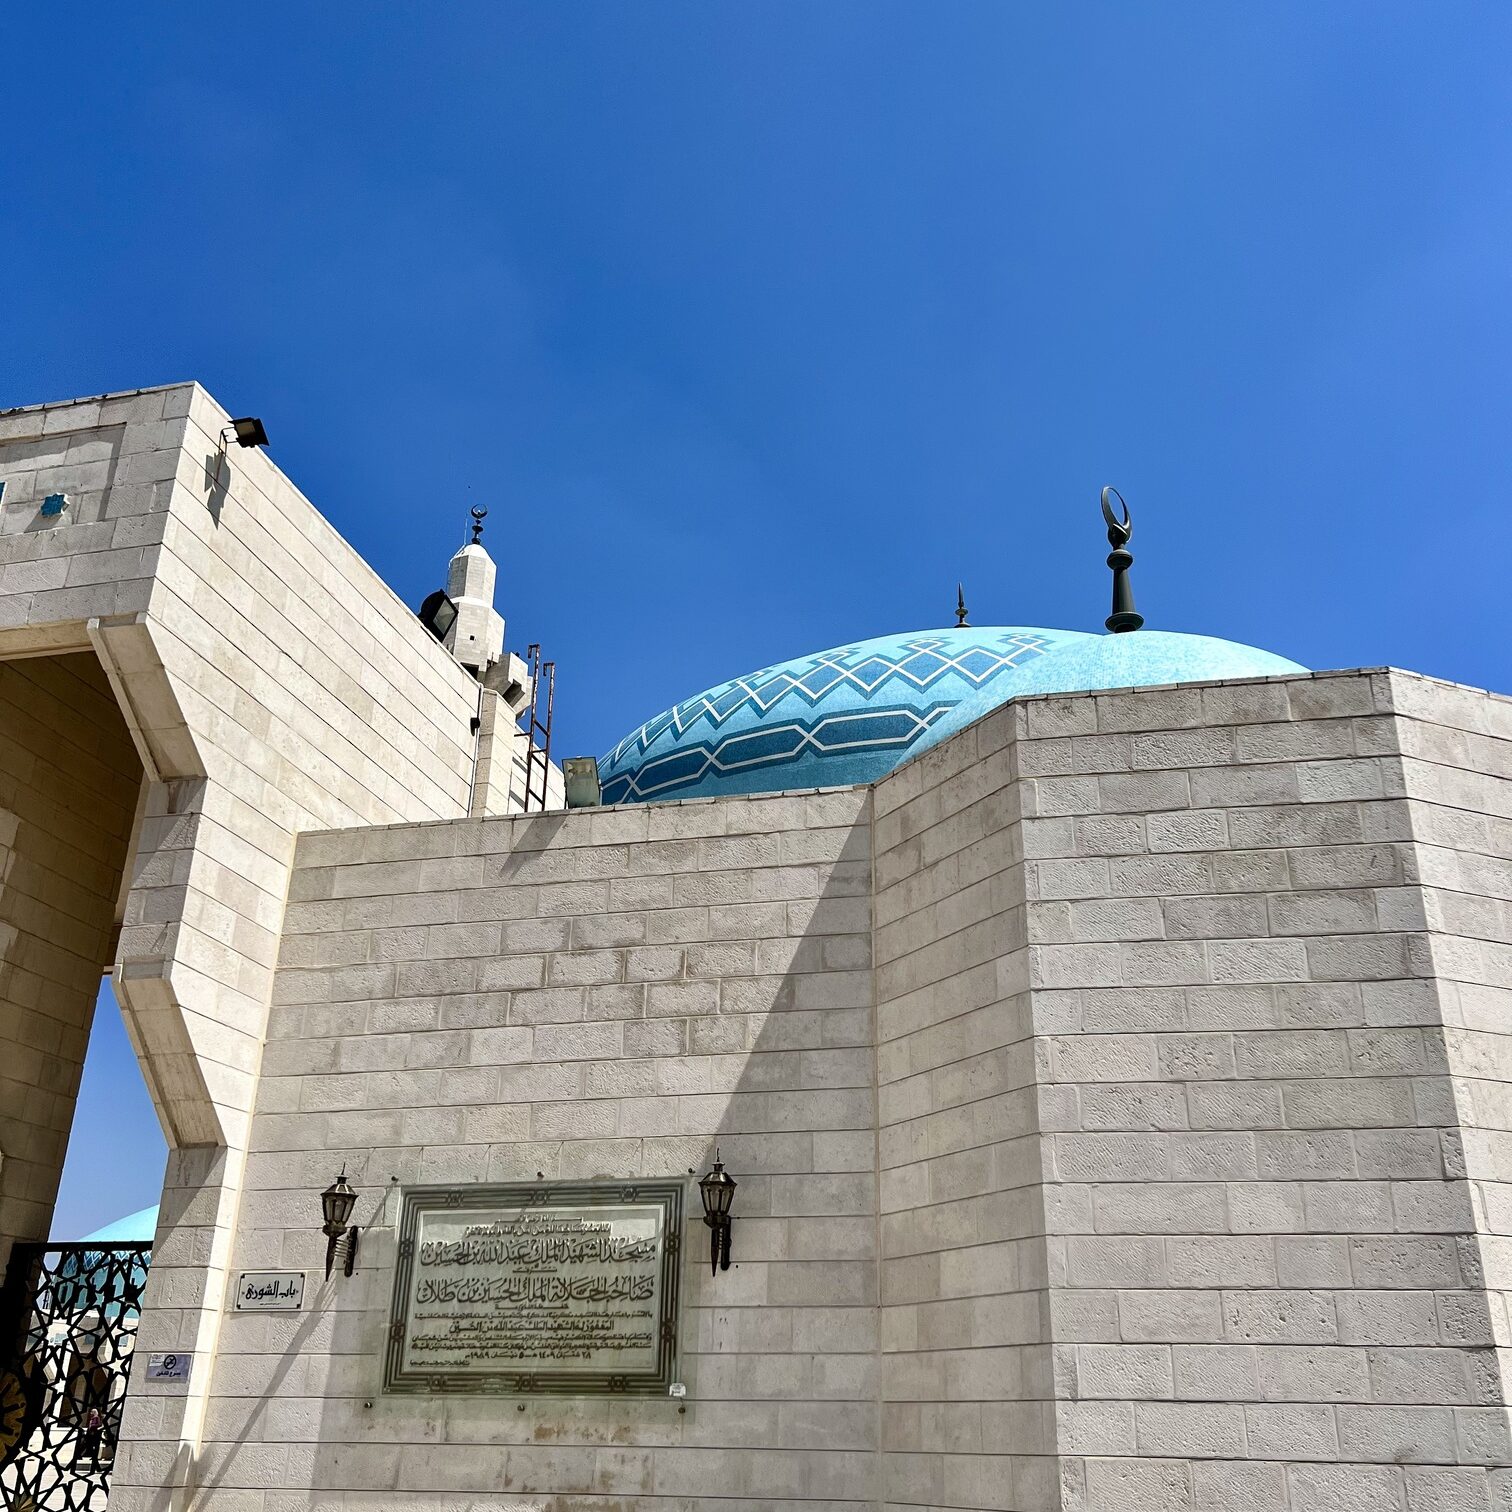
[(851, 714)]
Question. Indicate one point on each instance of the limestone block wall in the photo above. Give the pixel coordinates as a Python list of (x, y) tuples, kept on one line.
[(965, 1384), (608, 992), (1267, 1270), (507, 780), (313, 698), (69, 782), (272, 683), (99, 453), (1456, 746)]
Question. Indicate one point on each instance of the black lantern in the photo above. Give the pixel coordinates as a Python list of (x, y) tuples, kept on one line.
[(718, 1192), (336, 1203)]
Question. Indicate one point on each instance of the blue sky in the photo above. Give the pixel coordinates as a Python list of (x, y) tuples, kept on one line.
[(757, 326)]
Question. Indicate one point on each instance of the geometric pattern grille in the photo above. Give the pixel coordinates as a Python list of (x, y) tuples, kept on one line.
[(68, 1323), (825, 712)]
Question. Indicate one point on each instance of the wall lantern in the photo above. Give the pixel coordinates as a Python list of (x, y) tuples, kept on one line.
[(718, 1191), (337, 1202)]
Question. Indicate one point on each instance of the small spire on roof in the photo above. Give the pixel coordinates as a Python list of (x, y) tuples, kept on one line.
[(962, 623), (479, 514), (1120, 559)]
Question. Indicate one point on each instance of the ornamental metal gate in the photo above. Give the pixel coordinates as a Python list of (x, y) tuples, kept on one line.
[(68, 1323)]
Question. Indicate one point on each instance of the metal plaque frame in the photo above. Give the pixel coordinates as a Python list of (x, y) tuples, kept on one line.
[(541, 1196)]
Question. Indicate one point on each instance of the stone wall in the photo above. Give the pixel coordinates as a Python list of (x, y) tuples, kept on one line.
[(1456, 746), (611, 992), (508, 780), (1266, 1266), (69, 782), (1261, 1014), (1180, 1185), (95, 557), (965, 1383), (271, 683)]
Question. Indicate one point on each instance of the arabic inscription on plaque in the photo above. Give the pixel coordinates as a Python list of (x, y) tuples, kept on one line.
[(566, 1287)]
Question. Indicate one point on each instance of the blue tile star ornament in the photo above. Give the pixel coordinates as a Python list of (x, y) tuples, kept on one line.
[(54, 504)]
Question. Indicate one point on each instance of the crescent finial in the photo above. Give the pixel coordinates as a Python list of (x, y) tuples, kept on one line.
[(1124, 615), (1124, 527)]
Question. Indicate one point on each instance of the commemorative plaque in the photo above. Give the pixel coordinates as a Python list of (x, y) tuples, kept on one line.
[(562, 1287)]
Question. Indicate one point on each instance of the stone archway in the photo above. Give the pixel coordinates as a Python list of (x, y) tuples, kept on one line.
[(70, 785)]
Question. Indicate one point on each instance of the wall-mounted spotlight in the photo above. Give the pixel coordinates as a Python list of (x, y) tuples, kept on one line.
[(582, 782), (248, 431), (438, 614), (718, 1191), (336, 1204)]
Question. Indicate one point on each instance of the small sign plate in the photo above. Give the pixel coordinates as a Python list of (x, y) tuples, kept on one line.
[(170, 1367), (270, 1291)]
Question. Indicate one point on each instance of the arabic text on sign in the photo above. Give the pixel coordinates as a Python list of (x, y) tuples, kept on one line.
[(575, 1289)]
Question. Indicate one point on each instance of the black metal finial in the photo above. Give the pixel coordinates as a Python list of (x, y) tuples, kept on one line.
[(1120, 559), (962, 623), (479, 514)]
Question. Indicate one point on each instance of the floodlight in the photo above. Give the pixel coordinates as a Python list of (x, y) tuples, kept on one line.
[(248, 431), (582, 782), (438, 614)]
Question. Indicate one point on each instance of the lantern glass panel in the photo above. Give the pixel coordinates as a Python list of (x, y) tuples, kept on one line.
[(337, 1202), (717, 1190)]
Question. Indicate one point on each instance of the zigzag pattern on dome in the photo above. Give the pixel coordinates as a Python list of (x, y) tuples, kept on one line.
[(735, 737), (928, 658), (893, 729), (859, 667)]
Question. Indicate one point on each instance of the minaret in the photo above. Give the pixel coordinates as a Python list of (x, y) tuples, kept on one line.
[(476, 637)]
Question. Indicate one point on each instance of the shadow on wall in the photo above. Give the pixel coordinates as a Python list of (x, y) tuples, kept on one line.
[(732, 974), (217, 483), (781, 1349)]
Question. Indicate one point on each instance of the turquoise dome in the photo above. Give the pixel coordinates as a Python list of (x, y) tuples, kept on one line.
[(138, 1228), (851, 714), (87, 1281), (1139, 659)]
